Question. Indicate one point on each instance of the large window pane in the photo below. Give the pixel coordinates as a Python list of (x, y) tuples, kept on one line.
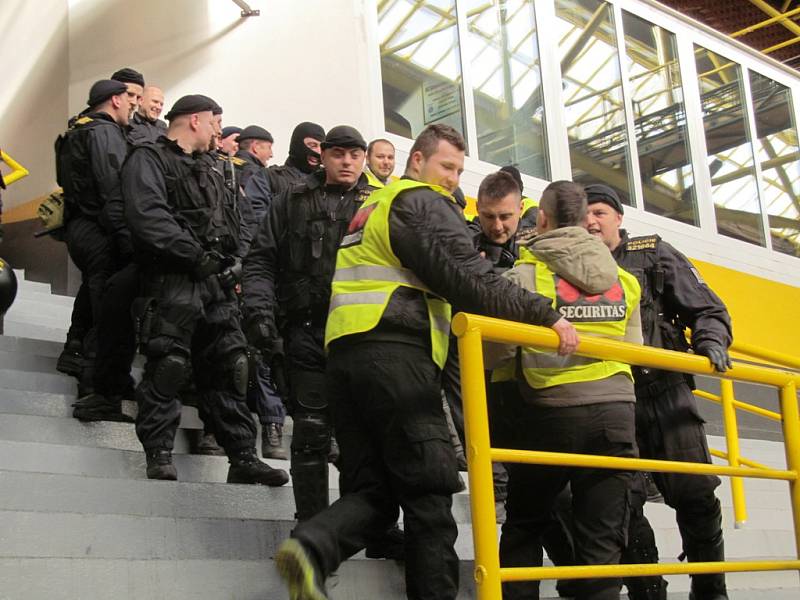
[(665, 165), (503, 55), (730, 151), (420, 65), (778, 153), (592, 94)]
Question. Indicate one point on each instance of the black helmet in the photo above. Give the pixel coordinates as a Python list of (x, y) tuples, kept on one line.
[(8, 286)]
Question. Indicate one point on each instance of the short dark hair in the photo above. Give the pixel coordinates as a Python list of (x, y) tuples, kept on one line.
[(379, 140), (564, 203), (497, 186), (427, 142)]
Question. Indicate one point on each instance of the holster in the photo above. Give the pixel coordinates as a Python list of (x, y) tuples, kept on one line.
[(143, 312)]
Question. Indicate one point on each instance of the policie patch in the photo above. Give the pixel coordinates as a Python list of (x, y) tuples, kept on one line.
[(355, 230), (579, 307)]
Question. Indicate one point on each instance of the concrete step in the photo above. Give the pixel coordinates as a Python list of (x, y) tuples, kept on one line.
[(51, 383), (23, 285), (27, 362), (23, 345), (37, 310), (29, 295), (34, 331)]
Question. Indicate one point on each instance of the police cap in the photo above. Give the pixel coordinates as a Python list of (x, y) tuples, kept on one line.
[(254, 132), (598, 192), (344, 136), (103, 90), (230, 130), (193, 103), (128, 75)]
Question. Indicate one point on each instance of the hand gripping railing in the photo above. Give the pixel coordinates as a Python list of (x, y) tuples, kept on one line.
[(472, 330)]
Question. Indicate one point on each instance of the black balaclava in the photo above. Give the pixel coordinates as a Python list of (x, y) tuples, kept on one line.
[(299, 153)]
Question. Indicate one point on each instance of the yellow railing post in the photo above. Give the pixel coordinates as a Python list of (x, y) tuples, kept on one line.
[(791, 441), (732, 440), (479, 464)]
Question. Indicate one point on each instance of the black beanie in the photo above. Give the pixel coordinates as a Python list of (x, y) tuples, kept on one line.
[(103, 90), (299, 153), (514, 172), (128, 75)]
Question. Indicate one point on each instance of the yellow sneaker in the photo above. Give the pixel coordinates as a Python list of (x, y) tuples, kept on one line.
[(299, 571)]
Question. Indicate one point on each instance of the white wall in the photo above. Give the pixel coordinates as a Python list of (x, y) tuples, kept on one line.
[(275, 70), (33, 90)]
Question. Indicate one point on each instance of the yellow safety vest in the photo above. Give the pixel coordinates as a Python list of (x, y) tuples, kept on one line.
[(527, 204), (368, 273), (603, 315), (372, 179)]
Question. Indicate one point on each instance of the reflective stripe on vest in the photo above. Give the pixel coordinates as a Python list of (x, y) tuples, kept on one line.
[(527, 204), (368, 273), (602, 315)]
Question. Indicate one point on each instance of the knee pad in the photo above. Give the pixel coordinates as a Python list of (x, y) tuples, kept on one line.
[(311, 433), (238, 371), (169, 374)]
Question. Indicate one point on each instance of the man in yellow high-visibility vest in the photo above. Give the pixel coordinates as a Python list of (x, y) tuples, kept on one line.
[(407, 255)]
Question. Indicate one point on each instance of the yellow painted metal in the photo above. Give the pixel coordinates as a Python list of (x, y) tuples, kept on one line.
[(742, 460), (17, 170), (600, 571), (479, 465), (732, 440), (779, 358), (771, 21), (791, 443), (751, 408), (770, 10), (594, 461), (472, 330)]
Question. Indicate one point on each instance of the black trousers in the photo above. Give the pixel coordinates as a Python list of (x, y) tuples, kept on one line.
[(115, 333), (92, 251), (669, 427), (198, 321), (395, 452), (600, 497), (81, 319)]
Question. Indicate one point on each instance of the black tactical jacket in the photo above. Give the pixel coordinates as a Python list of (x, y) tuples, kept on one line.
[(290, 265), (89, 157), (282, 177), (674, 297), (177, 207), (502, 256), (141, 130)]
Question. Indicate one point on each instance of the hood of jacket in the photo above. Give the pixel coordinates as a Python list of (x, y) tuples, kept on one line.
[(577, 256)]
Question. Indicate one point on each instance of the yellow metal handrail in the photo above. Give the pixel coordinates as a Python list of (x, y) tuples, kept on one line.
[(17, 170), (473, 330)]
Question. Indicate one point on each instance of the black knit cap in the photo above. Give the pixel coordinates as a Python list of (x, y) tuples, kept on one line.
[(128, 75), (230, 130), (254, 132), (344, 136), (103, 90), (598, 192), (193, 103), (514, 172)]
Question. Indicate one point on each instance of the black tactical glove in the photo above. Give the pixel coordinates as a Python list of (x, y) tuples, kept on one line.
[(716, 354), (212, 263), (232, 274)]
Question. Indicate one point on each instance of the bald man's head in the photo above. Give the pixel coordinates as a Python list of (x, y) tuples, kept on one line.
[(152, 103)]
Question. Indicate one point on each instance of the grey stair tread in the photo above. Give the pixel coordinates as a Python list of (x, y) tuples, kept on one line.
[(27, 362), (25, 345), (31, 330), (29, 295), (54, 382)]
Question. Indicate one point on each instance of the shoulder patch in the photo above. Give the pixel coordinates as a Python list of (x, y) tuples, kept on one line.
[(237, 161), (84, 121), (642, 243)]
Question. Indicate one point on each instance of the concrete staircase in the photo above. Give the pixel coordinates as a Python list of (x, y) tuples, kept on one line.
[(78, 518)]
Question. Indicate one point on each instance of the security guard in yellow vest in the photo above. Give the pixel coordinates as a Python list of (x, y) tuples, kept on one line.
[(571, 404), (380, 162), (407, 255)]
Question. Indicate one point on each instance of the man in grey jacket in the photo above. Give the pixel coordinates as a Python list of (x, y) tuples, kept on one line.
[(571, 404)]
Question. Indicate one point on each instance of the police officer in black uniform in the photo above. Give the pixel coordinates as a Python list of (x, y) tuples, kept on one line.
[(304, 157), (145, 125), (255, 150), (287, 287), (89, 157), (668, 425), (186, 231)]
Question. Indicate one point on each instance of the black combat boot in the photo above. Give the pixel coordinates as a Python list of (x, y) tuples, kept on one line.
[(246, 468), (159, 465), (712, 586), (70, 361), (96, 407), (206, 444), (272, 441), (391, 546)]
